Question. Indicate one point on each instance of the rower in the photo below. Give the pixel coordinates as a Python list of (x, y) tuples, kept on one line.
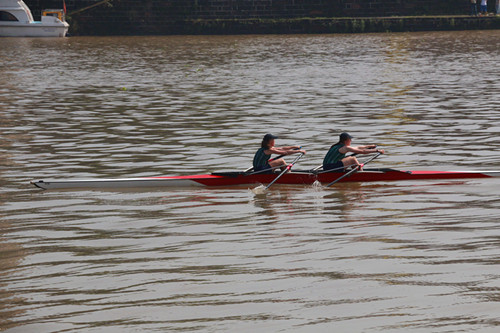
[(261, 160), (336, 158)]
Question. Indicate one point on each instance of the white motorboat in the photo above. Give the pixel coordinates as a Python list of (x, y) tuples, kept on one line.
[(16, 20)]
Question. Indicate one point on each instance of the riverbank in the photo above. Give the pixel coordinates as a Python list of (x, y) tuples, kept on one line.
[(339, 25), (290, 25)]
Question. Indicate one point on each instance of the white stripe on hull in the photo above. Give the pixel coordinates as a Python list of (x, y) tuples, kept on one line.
[(115, 183)]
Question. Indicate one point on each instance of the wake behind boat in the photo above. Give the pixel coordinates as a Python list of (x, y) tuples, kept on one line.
[(222, 179)]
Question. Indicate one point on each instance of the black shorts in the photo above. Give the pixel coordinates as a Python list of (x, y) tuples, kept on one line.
[(337, 166), (263, 167)]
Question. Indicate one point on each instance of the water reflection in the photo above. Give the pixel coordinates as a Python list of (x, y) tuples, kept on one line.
[(11, 252), (341, 203), (11, 256)]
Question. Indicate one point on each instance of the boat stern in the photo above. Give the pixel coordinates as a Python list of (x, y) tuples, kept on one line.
[(57, 13), (18, 21)]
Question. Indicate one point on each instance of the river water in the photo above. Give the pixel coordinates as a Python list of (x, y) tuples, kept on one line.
[(373, 257)]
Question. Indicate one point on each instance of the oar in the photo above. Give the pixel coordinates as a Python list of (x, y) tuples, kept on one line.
[(261, 189), (353, 170)]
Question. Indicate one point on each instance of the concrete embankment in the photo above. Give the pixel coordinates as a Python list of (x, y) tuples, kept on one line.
[(285, 25), (335, 25)]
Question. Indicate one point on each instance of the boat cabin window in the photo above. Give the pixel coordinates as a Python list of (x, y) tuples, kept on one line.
[(6, 16)]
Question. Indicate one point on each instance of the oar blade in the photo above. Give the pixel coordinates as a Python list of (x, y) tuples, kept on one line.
[(261, 189), (258, 190)]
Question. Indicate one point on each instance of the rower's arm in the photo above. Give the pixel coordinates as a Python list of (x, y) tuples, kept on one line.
[(284, 151), (293, 150), (291, 147), (362, 150), (276, 150)]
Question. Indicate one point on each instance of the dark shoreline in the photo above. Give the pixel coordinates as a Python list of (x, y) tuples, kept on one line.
[(340, 25), (294, 25)]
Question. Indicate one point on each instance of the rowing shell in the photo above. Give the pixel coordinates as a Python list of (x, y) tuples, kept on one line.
[(241, 178)]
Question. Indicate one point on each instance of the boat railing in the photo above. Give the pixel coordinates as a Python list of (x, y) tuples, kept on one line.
[(58, 13)]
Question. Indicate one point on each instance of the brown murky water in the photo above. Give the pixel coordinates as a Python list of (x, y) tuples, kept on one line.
[(388, 257)]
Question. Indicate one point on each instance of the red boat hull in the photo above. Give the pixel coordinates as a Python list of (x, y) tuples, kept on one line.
[(294, 178)]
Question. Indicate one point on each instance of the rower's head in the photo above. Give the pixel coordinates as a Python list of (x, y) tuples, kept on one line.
[(268, 141), (345, 138)]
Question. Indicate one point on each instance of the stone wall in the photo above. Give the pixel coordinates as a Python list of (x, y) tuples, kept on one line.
[(125, 17)]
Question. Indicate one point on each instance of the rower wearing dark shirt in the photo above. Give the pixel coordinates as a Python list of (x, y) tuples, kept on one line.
[(336, 158), (261, 160)]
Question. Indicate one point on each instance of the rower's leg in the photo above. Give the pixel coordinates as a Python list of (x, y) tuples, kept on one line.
[(279, 162), (350, 161)]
